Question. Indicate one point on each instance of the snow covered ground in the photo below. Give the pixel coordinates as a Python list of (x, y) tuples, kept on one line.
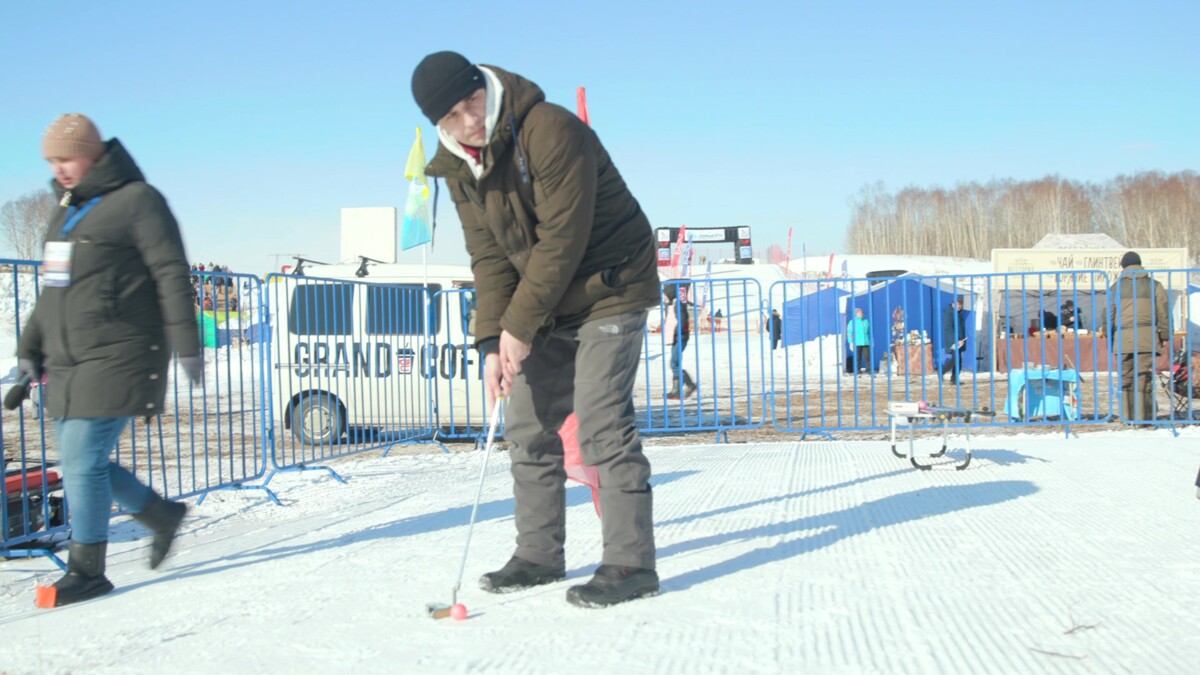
[(1044, 556)]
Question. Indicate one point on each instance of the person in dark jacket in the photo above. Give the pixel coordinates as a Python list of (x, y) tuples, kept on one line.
[(677, 330), (1049, 320), (775, 328), (1070, 317), (115, 303), (565, 270), (954, 336), (1141, 327)]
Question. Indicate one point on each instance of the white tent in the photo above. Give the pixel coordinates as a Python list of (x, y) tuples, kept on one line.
[(1089, 240)]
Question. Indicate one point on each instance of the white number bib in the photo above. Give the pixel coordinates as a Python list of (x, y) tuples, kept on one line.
[(56, 263)]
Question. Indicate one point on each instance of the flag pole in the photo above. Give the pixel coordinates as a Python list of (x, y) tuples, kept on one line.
[(427, 299), (416, 225), (787, 270)]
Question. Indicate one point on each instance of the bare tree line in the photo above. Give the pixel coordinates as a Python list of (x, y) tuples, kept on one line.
[(23, 223), (1149, 210)]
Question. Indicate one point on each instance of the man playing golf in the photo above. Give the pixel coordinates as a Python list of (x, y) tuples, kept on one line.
[(565, 269)]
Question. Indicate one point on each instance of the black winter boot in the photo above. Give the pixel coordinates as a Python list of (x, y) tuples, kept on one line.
[(613, 584), (673, 395), (162, 518), (520, 574), (84, 579), (688, 386)]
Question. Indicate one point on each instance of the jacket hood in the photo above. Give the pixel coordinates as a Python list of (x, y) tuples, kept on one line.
[(494, 93), (519, 96), (114, 169)]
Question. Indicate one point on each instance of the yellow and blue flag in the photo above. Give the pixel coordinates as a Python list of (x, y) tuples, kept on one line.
[(417, 229)]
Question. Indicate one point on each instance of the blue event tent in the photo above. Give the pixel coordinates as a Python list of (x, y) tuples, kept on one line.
[(826, 311), (813, 315), (924, 300)]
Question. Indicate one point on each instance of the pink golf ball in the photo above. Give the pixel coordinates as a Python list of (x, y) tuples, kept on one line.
[(458, 612)]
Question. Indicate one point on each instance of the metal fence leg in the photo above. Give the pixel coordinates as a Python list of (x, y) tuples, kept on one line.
[(440, 444), (34, 553), (238, 486)]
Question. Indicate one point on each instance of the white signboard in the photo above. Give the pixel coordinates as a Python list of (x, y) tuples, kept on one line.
[(369, 232), (1059, 263), (706, 236)]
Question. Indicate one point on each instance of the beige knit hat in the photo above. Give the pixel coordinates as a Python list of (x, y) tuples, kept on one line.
[(72, 135)]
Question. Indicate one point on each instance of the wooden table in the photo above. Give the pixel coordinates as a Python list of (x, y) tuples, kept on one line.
[(1084, 353), (914, 359)]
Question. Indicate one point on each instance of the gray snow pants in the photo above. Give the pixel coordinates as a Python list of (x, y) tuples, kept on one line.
[(1137, 387), (589, 370)]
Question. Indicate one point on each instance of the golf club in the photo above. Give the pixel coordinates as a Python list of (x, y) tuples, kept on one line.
[(441, 610)]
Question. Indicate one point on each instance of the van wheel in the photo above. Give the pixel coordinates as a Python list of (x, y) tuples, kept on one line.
[(317, 419)]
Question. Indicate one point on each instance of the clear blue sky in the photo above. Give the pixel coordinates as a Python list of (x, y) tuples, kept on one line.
[(260, 121)]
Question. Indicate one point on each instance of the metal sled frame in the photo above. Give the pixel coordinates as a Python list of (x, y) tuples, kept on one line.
[(943, 414)]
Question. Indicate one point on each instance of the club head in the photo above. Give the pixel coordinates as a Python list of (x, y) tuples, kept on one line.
[(438, 610)]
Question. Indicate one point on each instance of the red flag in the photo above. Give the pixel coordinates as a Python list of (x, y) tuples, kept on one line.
[(581, 106), (573, 460)]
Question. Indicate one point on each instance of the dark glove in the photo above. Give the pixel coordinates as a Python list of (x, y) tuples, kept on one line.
[(194, 367), (28, 368), (28, 371)]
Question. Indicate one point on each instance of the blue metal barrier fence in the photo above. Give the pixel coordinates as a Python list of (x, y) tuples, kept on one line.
[(301, 370), (211, 436), (718, 380), (353, 366), (849, 347), (32, 506)]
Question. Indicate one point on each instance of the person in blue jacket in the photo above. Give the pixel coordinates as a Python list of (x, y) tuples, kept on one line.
[(858, 337)]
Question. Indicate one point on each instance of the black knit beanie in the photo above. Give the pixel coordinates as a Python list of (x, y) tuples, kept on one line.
[(443, 79), (1130, 258)]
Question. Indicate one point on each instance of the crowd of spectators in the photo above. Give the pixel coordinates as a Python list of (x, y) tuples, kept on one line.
[(213, 290), (200, 270)]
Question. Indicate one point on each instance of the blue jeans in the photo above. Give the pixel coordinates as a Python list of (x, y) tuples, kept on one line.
[(91, 481), (677, 358)]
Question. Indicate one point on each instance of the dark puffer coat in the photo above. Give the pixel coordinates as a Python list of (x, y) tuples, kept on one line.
[(106, 339), (554, 234)]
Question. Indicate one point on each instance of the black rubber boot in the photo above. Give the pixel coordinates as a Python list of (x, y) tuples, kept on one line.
[(162, 518), (519, 574), (614, 584), (84, 579), (688, 386), (673, 395)]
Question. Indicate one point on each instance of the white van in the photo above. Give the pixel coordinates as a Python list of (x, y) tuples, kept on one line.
[(375, 353)]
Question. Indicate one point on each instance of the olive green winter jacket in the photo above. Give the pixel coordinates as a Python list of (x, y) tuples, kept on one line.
[(106, 339), (555, 236), (1139, 317)]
